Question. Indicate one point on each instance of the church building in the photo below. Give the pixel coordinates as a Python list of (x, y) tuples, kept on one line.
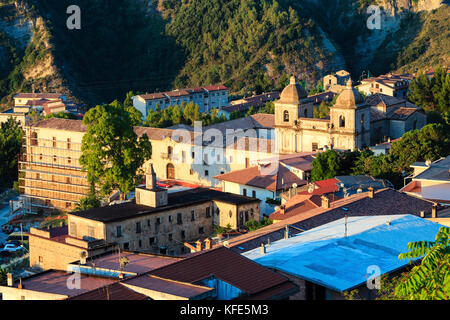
[(348, 127)]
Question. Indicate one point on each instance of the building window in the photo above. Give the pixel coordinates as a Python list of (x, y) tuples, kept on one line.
[(230, 213), (126, 246), (68, 180), (152, 241), (118, 231), (68, 143), (206, 173), (140, 243), (148, 223), (158, 220), (183, 234), (69, 160), (341, 121), (201, 230), (246, 215), (254, 194), (192, 215), (38, 176), (170, 237), (247, 163), (54, 142), (170, 218), (244, 192), (315, 146), (54, 158), (208, 212), (41, 259), (286, 116), (217, 211), (138, 227), (68, 205), (40, 156), (191, 172), (179, 218)]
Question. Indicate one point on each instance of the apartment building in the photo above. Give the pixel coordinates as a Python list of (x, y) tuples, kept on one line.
[(394, 85), (50, 175), (207, 98)]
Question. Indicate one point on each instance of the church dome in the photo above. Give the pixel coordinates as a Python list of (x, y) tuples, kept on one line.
[(349, 97), (293, 93)]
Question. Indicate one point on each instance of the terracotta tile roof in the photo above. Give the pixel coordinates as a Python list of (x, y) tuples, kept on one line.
[(62, 124), (386, 201), (38, 95), (379, 98), (177, 93), (39, 102), (401, 113), (256, 177), (115, 291), (217, 87), (226, 265), (56, 282), (153, 96)]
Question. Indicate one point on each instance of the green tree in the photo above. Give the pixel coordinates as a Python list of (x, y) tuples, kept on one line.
[(10, 146), (3, 277), (326, 165), (112, 153), (427, 280)]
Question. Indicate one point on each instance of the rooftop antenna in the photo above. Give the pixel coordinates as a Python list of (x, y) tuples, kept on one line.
[(345, 219)]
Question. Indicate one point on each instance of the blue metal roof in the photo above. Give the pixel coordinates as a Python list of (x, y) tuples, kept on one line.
[(325, 256)]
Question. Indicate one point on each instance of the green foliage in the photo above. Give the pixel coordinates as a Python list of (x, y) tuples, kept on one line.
[(232, 41), (429, 143), (10, 147), (326, 165), (221, 230), (89, 202), (427, 280), (61, 115), (111, 151), (431, 95), (253, 225), (3, 277)]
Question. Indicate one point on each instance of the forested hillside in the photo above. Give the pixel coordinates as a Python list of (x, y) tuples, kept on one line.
[(249, 45)]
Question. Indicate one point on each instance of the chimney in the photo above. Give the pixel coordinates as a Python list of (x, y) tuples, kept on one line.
[(325, 202), (199, 245), (371, 193), (434, 211), (83, 258), (263, 248), (422, 214), (20, 286), (150, 178), (283, 209), (10, 279), (207, 244), (121, 276), (286, 232)]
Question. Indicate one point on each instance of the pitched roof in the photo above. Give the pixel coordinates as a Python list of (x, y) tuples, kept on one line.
[(23, 95), (62, 124), (216, 87), (180, 199), (386, 201), (256, 177), (379, 98), (327, 256), (438, 170), (401, 113), (226, 265), (115, 291)]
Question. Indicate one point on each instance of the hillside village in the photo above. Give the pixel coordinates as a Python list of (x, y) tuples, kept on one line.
[(240, 190), (331, 190)]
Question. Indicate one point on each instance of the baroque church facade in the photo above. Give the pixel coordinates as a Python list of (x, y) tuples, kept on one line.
[(347, 128)]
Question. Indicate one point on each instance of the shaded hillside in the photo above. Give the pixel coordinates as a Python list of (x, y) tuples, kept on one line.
[(249, 45)]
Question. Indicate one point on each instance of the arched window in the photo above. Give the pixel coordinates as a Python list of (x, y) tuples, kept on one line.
[(170, 171), (342, 121), (286, 116)]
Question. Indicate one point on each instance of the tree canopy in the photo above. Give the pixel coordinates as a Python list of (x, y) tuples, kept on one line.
[(10, 146), (112, 153)]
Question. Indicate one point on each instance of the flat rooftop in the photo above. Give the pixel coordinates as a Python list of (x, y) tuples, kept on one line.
[(175, 200), (55, 282), (325, 256), (138, 263)]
